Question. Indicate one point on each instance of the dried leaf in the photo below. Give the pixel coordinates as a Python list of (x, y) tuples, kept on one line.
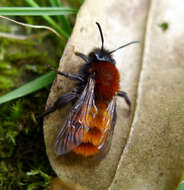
[(147, 148)]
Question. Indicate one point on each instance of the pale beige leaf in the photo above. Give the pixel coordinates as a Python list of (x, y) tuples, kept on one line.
[(147, 148)]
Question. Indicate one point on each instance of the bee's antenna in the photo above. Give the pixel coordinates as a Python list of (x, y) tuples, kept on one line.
[(101, 35), (124, 46)]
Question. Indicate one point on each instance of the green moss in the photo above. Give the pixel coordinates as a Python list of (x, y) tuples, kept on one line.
[(22, 147), (6, 83)]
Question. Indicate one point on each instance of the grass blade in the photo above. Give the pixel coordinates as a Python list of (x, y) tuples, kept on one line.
[(50, 20), (29, 87), (36, 11), (181, 185), (40, 11), (61, 18)]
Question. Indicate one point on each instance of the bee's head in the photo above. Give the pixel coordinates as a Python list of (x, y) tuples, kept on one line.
[(98, 55)]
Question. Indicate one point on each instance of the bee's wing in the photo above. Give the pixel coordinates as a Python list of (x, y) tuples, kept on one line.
[(71, 134), (107, 134)]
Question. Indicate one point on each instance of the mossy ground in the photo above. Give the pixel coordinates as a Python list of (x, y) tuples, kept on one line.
[(23, 160)]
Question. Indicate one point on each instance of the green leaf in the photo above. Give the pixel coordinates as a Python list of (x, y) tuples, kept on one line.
[(29, 88), (35, 11)]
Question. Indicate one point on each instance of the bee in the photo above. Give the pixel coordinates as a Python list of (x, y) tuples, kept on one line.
[(89, 126)]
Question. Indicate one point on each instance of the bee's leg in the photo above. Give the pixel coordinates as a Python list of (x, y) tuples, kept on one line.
[(125, 96), (71, 76), (84, 57), (63, 100)]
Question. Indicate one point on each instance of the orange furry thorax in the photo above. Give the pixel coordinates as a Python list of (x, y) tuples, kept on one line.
[(107, 80)]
